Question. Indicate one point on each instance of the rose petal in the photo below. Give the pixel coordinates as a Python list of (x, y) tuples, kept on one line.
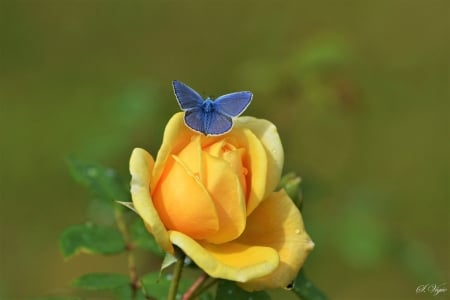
[(255, 159), (141, 165), (224, 187), (278, 224), (232, 261), (234, 158), (267, 133), (227, 151), (191, 156), (176, 136), (214, 149), (183, 203)]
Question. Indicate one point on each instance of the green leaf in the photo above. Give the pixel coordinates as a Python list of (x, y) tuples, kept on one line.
[(128, 205), (104, 182), (306, 290), (126, 293), (285, 178), (208, 296), (143, 239), (229, 290), (291, 184), (101, 281), (91, 239), (168, 260), (157, 285), (119, 284)]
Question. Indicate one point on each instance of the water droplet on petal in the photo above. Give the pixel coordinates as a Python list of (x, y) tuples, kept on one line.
[(297, 231)]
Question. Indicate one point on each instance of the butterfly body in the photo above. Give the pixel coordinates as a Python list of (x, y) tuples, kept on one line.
[(210, 117)]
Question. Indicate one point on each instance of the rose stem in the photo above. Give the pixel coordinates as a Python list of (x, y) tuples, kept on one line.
[(176, 277), (131, 262), (204, 287), (200, 280)]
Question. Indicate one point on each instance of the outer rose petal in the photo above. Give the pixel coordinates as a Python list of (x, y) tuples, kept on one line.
[(141, 165), (176, 136), (278, 224), (267, 133), (232, 261)]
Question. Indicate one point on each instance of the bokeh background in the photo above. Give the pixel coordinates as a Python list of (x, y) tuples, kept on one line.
[(358, 90)]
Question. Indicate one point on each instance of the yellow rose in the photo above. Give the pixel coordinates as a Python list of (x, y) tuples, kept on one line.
[(213, 197)]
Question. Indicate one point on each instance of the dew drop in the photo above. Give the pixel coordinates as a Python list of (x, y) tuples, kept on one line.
[(297, 231)]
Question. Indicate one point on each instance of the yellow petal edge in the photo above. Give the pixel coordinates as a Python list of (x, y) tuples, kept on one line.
[(232, 261), (266, 132), (278, 224), (141, 166), (176, 136)]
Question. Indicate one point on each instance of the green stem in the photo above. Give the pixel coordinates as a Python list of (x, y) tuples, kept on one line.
[(176, 278), (121, 224)]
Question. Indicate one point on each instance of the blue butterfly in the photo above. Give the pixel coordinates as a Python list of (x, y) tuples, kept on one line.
[(207, 116)]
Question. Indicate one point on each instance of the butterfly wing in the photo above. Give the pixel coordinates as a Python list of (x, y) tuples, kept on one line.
[(187, 98), (217, 123), (194, 119), (210, 123), (234, 104)]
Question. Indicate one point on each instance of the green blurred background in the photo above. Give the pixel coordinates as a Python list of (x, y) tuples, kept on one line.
[(357, 89)]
